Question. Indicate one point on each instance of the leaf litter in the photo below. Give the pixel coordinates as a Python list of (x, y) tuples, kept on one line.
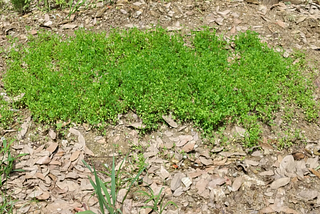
[(55, 175), (213, 181)]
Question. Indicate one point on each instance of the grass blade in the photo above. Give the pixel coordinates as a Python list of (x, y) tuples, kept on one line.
[(113, 182), (132, 182)]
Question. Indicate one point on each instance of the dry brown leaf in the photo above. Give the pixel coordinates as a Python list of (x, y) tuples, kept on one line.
[(147, 181), (282, 24), (308, 194), (121, 194), (216, 181), (43, 160), (43, 196), (40, 175), (137, 125), (298, 155), (74, 156), (201, 185), (280, 183), (176, 181), (69, 26), (251, 162), (316, 173), (163, 173), (24, 128), (170, 121), (188, 147), (72, 175), (205, 161), (52, 134), (52, 147), (237, 184), (233, 30), (196, 173), (87, 151)]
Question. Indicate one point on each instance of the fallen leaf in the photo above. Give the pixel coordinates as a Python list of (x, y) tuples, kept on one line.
[(201, 185), (205, 161), (52, 134), (216, 181), (251, 162), (24, 128), (81, 139), (176, 181), (170, 121), (137, 125), (74, 155), (44, 160), (188, 147), (316, 173), (233, 30), (163, 173), (237, 184), (43, 196), (69, 26), (298, 155), (308, 194), (121, 194), (178, 192), (52, 147), (101, 12), (282, 24), (280, 183)]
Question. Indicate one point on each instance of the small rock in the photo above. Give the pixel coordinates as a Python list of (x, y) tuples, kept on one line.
[(123, 11)]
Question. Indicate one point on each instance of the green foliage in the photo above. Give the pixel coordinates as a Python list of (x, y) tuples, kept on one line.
[(6, 167), (7, 205), (20, 5), (6, 114), (92, 78), (6, 160), (157, 200), (107, 199)]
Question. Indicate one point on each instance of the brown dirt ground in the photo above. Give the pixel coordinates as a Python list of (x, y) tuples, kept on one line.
[(224, 178)]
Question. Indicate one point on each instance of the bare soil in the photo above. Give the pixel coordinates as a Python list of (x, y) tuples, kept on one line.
[(198, 177)]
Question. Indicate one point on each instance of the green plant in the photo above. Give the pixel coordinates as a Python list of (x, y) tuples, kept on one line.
[(20, 5), (6, 167), (157, 200), (108, 200), (92, 78), (6, 160), (6, 113), (7, 204), (74, 7)]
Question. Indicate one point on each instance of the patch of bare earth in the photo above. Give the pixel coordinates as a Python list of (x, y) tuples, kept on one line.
[(199, 178)]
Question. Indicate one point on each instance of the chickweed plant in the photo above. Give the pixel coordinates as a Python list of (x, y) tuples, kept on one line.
[(92, 78)]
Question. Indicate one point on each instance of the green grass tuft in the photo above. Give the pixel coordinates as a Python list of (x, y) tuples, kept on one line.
[(92, 78)]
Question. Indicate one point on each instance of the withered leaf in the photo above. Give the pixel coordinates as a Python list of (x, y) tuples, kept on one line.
[(170, 121), (74, 156), (52, 147), (44, 160), (280, 183)]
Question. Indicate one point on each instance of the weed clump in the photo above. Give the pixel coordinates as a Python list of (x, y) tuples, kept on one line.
[(93, 78)]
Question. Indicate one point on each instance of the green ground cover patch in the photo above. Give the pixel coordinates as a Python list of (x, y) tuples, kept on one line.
[(92, 78)]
